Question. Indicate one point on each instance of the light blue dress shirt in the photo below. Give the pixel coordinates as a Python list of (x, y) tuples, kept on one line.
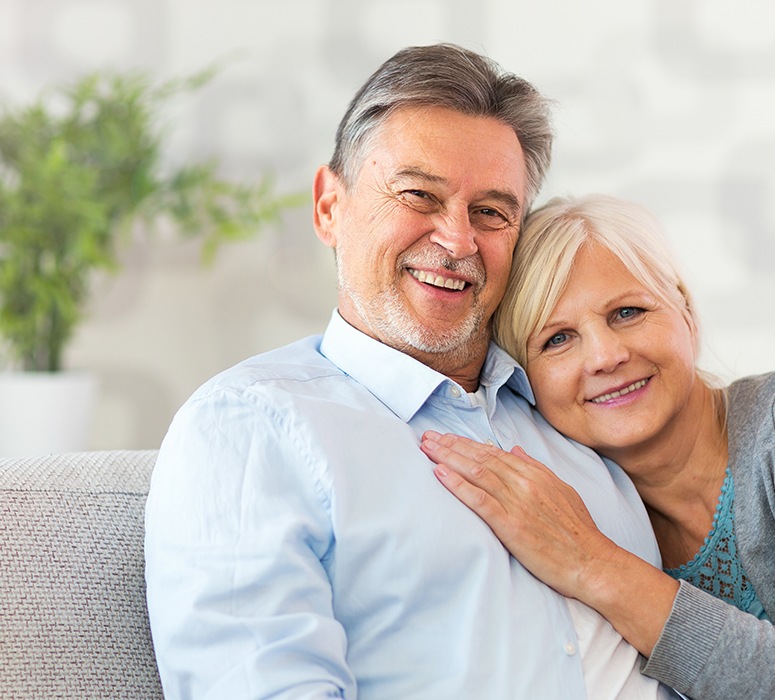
[(299, 545)]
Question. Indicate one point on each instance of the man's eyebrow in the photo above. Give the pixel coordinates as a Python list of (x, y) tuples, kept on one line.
[(507, 199), (419, 173)]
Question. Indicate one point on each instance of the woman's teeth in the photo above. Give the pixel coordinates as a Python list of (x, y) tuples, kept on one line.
[(621, 392)]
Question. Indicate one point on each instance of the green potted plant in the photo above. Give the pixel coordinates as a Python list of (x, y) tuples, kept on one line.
[(78, 168)]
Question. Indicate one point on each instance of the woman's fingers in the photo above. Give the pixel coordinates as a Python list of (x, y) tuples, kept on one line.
[(463, 473), (488, 480), (474, 497), (473, 460), (538, 517), (486, 466)]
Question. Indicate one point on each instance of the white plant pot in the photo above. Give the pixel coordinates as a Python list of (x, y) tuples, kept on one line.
[(43, 412)]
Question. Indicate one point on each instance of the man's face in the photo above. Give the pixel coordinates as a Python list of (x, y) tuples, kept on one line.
[(425, 235)]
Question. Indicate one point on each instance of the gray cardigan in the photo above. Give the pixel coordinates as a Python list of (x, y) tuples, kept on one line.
[(708, 649)]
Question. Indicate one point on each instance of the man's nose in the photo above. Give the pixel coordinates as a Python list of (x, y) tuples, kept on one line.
[(456, 234)]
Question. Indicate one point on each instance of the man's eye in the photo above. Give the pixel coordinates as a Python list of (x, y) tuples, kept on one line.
[(419, 200), (490, 218), (417, 193), (492, 212)]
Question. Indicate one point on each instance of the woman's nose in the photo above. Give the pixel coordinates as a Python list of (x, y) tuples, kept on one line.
[(605, 351)]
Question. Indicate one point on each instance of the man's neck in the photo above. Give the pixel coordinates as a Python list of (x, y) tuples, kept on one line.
[(462, 366)]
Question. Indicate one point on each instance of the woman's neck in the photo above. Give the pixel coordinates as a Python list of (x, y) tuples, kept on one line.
[(679, 476)]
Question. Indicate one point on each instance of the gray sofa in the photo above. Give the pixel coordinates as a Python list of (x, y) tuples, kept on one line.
[(73, 619)]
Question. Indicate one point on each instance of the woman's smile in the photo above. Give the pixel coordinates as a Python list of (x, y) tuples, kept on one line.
[(613, 365), (609, 397)]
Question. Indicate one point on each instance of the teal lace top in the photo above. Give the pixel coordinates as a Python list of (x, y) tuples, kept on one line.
[(716, 568)]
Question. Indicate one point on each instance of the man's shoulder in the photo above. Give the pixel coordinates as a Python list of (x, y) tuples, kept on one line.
[(299, 362)]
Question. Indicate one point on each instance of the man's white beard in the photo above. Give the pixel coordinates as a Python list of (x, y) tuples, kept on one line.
[(389, 320)]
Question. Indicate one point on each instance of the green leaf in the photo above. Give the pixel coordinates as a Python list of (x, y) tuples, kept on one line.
[(77, 166)]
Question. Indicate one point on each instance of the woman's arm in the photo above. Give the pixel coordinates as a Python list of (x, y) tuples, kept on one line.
[(544, 523), (697, 644)]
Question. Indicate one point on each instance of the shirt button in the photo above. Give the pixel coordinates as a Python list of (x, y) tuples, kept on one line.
[(454, 391), (490, 442), (570, 649)]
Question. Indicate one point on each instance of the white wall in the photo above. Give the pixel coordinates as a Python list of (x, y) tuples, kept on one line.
[(669, 102)]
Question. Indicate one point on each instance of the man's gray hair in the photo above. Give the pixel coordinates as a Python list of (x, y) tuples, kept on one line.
[(445, 75)]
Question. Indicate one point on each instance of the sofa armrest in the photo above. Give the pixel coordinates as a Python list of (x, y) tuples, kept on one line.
[(72, 591)]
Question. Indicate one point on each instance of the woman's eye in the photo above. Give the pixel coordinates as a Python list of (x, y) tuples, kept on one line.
[(556, 339), (629, 312)]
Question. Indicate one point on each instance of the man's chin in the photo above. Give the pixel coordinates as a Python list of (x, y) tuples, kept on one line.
[(444, 342), (405, 328)]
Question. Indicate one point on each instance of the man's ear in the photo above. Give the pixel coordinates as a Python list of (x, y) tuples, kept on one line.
[(326, 191)]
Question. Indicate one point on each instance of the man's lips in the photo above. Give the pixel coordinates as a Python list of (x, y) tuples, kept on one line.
[(437, 280), (602, 398)]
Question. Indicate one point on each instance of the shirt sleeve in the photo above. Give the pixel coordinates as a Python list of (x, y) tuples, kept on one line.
[(711, 650), (237, 532)]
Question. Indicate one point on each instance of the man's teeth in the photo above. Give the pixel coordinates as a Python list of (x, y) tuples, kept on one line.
[(621, 392), (437, 280)]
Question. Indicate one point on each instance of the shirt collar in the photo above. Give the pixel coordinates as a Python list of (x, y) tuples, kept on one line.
[(501, 368), (375, 366)]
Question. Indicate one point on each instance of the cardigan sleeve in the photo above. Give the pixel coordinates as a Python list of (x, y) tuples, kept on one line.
[(711, 650)]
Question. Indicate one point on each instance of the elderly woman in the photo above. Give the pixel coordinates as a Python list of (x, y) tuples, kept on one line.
[(599, 317)]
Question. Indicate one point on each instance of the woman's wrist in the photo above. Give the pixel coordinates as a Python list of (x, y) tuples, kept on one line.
[(633, 595)]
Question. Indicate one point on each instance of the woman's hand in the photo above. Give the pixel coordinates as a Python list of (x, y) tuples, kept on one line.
[(545, 525), (539, 518)]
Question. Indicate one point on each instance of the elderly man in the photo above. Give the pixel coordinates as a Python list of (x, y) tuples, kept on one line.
[(298, 543)]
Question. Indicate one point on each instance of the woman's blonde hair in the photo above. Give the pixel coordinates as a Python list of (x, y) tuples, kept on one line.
[(548, 244)]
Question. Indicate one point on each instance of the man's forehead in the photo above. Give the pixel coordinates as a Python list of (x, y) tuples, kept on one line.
[(442, 145), (439, 123)]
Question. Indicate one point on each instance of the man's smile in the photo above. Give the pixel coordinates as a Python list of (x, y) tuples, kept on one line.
[(437, 280)]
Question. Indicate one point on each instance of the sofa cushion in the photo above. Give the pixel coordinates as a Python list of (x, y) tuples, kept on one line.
[(72, 588)]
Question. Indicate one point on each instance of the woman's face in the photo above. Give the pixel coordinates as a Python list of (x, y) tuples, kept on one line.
[(614, 365)]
